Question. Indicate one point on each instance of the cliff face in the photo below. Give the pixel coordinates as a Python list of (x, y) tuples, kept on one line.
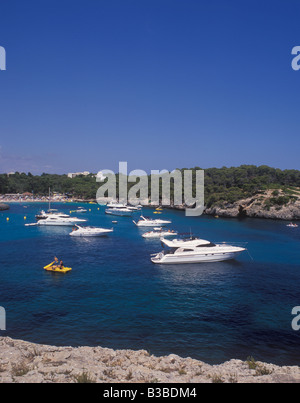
[(4, 207), (263, 205)]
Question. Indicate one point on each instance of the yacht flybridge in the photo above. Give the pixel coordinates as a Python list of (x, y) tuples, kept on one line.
[(195, 251), (148, 222)]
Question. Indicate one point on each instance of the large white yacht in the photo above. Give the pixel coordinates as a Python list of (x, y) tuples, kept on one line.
[(89, 231), (195, 251), (149, 222)]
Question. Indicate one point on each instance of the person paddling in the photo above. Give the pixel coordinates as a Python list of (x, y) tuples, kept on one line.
[(55, 263)]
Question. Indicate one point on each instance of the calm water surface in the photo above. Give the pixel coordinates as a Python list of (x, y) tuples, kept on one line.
[(115, 297)]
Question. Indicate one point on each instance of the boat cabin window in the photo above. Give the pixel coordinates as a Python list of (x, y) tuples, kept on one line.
[(180, 250)]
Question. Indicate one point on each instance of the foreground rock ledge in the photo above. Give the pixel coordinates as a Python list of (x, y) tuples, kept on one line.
[(24, 362)]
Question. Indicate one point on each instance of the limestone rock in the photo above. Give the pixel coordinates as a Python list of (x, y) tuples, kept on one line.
[(23, 362)]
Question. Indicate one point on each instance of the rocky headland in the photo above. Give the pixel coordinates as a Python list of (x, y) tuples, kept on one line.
[(23, 362), (4, 207), (269, 204)]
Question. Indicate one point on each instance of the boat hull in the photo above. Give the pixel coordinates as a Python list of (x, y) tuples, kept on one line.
[(209, 257), (158, 236), (86, 234), (57, 224), (119, 213), (152, 224)]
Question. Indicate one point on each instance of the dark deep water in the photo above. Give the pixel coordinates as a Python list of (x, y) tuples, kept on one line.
[(115, 297)]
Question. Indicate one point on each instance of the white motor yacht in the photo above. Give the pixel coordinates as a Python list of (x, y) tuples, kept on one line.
[(159, 233), (195, 251), (119, 211), (149, 222), (89, 231), (114, 204), (59, 220)]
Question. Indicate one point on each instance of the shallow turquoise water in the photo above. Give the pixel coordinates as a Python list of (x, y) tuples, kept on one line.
[(115, 297)]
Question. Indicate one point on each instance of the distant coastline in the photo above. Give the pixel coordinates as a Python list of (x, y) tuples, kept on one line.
[(250, 207), (245, 191)]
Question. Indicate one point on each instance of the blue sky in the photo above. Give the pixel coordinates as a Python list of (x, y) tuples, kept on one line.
[(157, 83)]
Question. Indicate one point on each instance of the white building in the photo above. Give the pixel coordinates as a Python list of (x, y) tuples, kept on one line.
[(73, 175), (100, 176)]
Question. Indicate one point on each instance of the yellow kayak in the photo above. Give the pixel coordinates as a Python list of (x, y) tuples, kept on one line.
[(56, 269)]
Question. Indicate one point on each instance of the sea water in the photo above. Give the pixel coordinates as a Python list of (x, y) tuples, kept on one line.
[(115, 297)]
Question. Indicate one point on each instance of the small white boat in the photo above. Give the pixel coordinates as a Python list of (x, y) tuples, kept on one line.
[(149, 222), (81, 210), (159, 233), (89, 231), (195, 251), (114, 204), (291, 225)]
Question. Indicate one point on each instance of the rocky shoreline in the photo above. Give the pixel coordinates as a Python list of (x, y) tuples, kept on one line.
[(24, 362), (4, 207), (257, 207)]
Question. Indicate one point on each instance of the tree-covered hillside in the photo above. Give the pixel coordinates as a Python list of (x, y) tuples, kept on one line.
[(221, 184)]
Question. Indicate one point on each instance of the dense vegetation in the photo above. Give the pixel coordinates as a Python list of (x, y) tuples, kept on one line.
[(221, 184)]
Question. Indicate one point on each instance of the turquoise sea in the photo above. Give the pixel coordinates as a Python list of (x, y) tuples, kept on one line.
[(115, 297)]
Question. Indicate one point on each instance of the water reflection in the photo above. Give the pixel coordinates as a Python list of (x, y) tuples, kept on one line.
[(198, 273)]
